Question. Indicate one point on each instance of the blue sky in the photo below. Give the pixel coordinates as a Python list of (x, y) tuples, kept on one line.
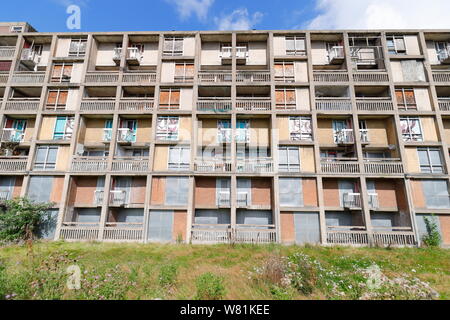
[(149, 15)]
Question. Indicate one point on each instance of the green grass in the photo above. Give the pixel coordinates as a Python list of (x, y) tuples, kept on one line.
[(134, 271)]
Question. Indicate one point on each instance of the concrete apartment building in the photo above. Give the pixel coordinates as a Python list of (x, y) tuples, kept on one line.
[(331, 137)]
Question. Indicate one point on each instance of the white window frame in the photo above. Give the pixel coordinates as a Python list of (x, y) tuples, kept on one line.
[(296, 51), (289, 167), (410, 136), (302, 136), (432, 168), (395, 49), (284, 77), (179, 165), (45, 165), (78, 52), (163, 135), (172, 52), (184, 77)]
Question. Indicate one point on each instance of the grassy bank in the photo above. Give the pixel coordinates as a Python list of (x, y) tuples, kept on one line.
[(133, 271)]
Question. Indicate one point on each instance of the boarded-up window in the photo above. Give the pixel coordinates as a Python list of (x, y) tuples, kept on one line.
[(177, 190), (413, 70), (284, 71), (62, 72), (436, 194), (167, 128), (169, 99), (291, 194), (57, 99), (300, 128), (40, 188), (184, 72), (173, 46), (285, 98), (406, 99)]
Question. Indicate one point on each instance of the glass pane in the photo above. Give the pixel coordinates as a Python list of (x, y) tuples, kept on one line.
[(294, 157), (52, 154), (435, 156), (423, 157)]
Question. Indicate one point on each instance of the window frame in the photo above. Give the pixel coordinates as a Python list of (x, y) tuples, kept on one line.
[(166, 134), (170, 105), (64, 135), (172, 42), (296, 51), (45, 165), (404, 105), (78, 52), (285, 77), (394, 48), (430, 165), (289, 167), (63, 77), (409, 136), (179, 165), (303, 136), (57, 105), (185, 77)]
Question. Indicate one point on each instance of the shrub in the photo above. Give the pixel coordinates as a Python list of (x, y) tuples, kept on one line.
[(209, 287), (303, 273), (167, 275), (433, 237), (20, 219)]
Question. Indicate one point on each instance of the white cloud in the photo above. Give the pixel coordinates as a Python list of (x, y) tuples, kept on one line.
[(186, 8), (239, 19), (381, 14)]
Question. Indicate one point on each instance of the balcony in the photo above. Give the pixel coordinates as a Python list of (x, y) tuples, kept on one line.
[(444, 104), (136, 105), (393, 236), (441, 76), (130, 164), (352, 201), (344, 136), (212, 166), (117, 198), (98, 105), (13, 164), (370, 76), (396, 236), (260, 165), (30, 58), (25, 77), (7, 52), (107, 135), (335, 76), (4, 77), (340, 165), (5, 195), (343, 235), (134, 56), (77, 231), (102, 77), (254, 104), (22, 105), (444, 55), (374, 104), (253, 76), (336, 55), (123, 231), (209, 234), (139, 77), (13, 135), (89, 164), (215, 76), (333, 104), (214, 105), (126, 136), (383, 166)]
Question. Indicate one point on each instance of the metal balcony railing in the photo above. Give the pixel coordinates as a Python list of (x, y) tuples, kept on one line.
[(254, 104), (259, 165), (213, 165), (374, 104), (7, 51), (126, 135), (352, 200), (215, 76), (130, 164), (89, 164), (214, 104), (339, 165), (383, 166), (13, 135), (344, 136), (333, 104), (13, 164), (98, 105)]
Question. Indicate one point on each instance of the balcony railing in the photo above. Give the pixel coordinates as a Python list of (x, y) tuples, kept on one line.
[(333, 104), (397, 236), (444, 104), (136, 105), (344, 136), (202, 233), (123, 231), (130, 164), (352, 200), (5, 195), (253, 76), (214, 76), (351, 235), (370, 76), (374, 104), (98, 105), (178, 166), (254, 104), (102, 77), (209, 166), (336, 55), (117, 198), (126, 135), (347, 235), (77, 231), (340, 165), (25, 77), (255, 165), (4, 77), (89, 164), (336, 76), (22, 105), (383, 166), (13, 164), (7, 52), (214, 105), (441, 76), (148, 77), (13, 135)]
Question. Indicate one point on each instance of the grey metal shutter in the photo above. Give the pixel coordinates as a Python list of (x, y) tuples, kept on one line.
[(341, 218), (177, 190), (160, 226), (381, 219), (89, 215), (40, 188), (47, 230), (254, 217), (422, 226), (212, 217), (130, 215), (307, 227)]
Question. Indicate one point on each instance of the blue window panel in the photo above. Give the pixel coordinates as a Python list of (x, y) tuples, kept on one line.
[(254, 217), (338, 219), (307, 227), (177, 189), (40, 188), (160, 226), (291, 193), (47, 230)]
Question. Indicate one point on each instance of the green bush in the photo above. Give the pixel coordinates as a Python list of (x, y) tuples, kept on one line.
[(20, 218), (167, 275), (433, 237), (209, 287)]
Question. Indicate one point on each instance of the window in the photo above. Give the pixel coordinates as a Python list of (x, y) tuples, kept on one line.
[(167, 128), (289, 159), (291, 194), (300, 128), (442, 50), (396, 44), (46, 158), (57, 99), (223, 131), (436, 194), (177, 190), (173, 46), (284, 71), (285, 98), (184, 72), (179, 158), (295, 46), (243, 131), (169, 99), (406, 99), (62, 72), (6, 188), (223, 187), (127, 131), (411, 129), (244, 192), (40, 188), (225, 50), (63, 128), (95, 153), (141, 153), (77, 47), (107, 132), (430, 160)]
